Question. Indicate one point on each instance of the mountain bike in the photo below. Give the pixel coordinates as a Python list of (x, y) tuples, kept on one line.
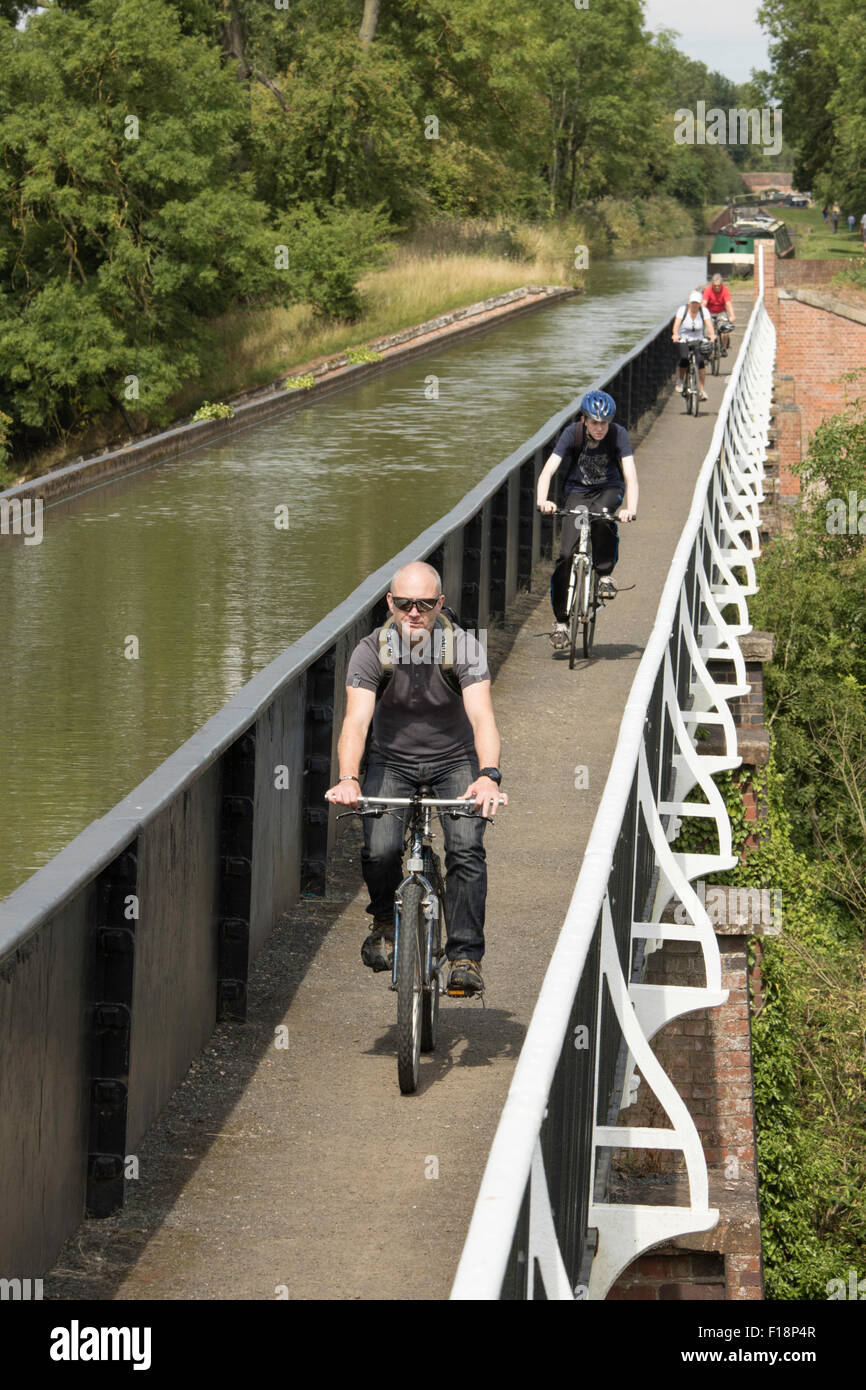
[(420, 964), (692, 386), (583, 599)]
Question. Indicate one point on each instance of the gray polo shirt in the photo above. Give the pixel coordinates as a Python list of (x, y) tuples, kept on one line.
[(419, 717)]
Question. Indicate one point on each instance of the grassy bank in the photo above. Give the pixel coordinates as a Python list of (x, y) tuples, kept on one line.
[(814, 239), (441, 267)]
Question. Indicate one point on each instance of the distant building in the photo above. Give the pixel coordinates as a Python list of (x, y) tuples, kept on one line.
[(768, 178)]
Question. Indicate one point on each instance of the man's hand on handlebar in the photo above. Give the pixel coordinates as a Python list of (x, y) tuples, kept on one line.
[(547, 507), (487, 796), (624, 514), (346, 792)]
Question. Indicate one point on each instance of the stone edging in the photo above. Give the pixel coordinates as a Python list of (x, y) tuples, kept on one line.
[(843, 308), (329, 374)]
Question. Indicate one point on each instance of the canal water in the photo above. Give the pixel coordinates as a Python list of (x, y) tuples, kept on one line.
[(152, 600)]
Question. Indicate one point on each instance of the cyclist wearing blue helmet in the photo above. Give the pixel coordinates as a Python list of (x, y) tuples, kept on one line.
[(600, 472)]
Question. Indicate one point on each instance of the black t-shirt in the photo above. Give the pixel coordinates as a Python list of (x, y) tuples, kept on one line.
[(419, 716), (598, 464)]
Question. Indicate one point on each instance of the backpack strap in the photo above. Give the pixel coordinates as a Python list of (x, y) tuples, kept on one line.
[(389, 647)]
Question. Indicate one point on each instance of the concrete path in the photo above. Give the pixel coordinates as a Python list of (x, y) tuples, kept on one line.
[(300, 1171)]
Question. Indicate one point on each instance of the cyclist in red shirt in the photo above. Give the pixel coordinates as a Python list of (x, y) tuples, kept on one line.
[(717, 298)]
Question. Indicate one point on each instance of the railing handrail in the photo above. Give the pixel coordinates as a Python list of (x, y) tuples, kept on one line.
[(489, 1240), (50, 888)]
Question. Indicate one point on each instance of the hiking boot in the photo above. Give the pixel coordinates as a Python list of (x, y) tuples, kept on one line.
[(465, 978), (559, 637), (377, 951), (606, 588)]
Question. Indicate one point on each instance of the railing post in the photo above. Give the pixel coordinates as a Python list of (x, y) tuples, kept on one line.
[(110, 1026)]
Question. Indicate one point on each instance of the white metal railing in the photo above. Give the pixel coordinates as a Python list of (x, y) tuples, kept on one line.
[(519, 1230)]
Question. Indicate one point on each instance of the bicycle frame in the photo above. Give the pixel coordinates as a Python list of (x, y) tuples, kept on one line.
[(418, 837), (583, 607), (584, 544)]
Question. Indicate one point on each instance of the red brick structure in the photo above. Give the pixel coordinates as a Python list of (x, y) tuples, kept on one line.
[(821, 337)]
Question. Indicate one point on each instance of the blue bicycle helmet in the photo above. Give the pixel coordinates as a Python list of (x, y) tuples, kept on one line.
[(598, 405)]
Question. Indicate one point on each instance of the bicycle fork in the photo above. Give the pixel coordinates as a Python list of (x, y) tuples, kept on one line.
[(430, 904)]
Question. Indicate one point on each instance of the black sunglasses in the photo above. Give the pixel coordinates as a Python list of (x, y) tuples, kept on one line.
[(423, 605)]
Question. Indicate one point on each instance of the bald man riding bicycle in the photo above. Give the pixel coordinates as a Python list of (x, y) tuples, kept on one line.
[(432, 722)]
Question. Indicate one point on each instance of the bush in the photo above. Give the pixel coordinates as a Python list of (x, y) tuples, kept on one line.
[(329, 252)]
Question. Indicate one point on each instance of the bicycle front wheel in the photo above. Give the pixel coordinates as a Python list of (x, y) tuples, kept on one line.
[(717, 358), (578, 607), (589, 624), (410, 986), (692, 392), (430, 999)]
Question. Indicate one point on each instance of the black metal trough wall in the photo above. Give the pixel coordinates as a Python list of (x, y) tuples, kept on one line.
[(118, 957)]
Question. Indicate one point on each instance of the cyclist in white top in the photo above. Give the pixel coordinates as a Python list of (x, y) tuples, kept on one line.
[(691, 323)]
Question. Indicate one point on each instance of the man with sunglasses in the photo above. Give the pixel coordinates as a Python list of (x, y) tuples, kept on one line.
[(423, 730)]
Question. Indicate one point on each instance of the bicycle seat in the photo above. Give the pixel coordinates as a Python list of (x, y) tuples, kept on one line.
[(425, 790)]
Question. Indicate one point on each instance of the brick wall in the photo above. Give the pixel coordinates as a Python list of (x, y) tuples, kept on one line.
[(815, 348), (794, 272)]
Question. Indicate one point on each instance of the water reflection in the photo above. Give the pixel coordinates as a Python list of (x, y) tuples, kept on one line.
[(186, 557)]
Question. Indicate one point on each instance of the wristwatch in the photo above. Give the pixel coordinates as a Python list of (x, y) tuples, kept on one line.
[(492, 772)]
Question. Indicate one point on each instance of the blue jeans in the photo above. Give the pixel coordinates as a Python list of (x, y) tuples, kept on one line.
[(465, 859)]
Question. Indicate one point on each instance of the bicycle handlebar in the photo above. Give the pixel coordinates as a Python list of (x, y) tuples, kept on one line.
[(378, 805), (414, 801), (603, 515)]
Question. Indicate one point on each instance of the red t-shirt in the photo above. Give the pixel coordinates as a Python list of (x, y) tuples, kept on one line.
[(716, 300)]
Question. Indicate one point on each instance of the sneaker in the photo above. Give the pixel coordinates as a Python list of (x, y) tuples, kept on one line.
[(465, 978), (704, 396), (606, 588), (724, 352), (679, 388), (377, 951), (559, 636)]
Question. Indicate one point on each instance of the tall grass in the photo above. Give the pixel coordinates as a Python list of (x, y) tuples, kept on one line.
[(445, 265)]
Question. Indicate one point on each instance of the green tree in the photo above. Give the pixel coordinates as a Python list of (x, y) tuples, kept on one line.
[(123, 221)]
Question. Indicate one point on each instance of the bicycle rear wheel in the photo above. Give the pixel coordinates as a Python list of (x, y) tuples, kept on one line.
[(578, 607), (430, 999), (589, 624), (410, 987)]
